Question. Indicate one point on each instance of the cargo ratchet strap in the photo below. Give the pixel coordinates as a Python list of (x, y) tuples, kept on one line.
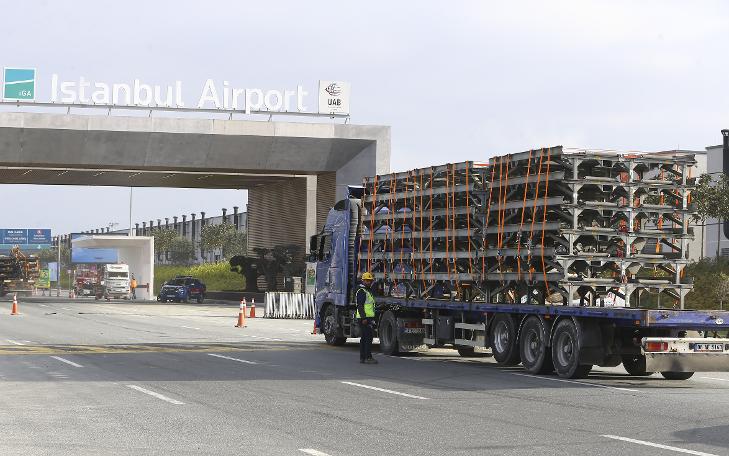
[(370, 256)]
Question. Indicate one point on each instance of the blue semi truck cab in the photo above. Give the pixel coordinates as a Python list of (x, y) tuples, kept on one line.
[(568, 339)]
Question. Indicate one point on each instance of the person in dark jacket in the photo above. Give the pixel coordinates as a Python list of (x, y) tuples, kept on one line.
[(365, 315)]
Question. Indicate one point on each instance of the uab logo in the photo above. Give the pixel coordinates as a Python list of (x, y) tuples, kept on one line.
[(19, 84)]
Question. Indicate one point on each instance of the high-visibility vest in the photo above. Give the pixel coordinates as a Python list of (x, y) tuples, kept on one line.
[(369, 305), (133, 284)]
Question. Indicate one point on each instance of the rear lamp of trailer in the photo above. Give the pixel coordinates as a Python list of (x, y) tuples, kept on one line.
[(656, 346)]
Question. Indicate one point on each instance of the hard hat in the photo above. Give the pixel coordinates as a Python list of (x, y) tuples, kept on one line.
[(368, 276)]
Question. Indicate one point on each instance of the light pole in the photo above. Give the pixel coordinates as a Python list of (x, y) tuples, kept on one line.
[(131, 192)]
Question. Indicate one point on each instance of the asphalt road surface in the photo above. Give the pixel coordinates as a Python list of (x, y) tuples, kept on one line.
[(87, 378)]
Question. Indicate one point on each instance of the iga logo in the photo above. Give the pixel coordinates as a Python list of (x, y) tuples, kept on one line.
[(19, 84), (333, 89)]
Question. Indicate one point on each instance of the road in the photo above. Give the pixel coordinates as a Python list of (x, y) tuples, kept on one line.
[(82, 377)]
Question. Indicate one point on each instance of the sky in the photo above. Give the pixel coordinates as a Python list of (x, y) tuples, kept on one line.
[(455, 80)]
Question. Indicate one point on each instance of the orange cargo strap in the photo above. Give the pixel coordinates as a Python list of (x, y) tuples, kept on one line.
[(468, 221), (430, 224), (372, 226)]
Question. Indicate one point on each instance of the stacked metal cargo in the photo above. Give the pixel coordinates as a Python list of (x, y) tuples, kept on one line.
[(547, 226)]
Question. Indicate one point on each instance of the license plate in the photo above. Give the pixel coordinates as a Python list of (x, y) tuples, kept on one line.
[(701, 347)]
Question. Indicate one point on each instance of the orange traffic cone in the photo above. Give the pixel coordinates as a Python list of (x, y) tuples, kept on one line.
[(14, 311), (314, 331), (242, 315), (253, 308)]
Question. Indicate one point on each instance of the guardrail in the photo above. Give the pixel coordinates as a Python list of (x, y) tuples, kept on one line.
[(289, 305)]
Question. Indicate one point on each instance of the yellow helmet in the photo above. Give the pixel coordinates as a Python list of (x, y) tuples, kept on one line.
[(368, 276)]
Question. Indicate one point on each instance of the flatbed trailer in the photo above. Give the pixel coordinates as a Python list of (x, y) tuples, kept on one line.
[(539, 310)]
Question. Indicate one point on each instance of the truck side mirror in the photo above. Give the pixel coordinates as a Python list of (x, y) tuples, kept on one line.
[(313, 245)]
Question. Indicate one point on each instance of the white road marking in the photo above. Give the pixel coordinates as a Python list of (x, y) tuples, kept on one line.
[(658, 445), (190, 327), (232, 359), (63, 360), (157, 395), (313, 452), (43, 305), (596, 385), (716, 378), (15, 342), (385, 390)]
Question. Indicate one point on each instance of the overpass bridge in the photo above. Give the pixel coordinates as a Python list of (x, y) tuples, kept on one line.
[(293, 171)]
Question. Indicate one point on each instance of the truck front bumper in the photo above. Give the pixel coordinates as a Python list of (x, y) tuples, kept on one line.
[(686, 354)]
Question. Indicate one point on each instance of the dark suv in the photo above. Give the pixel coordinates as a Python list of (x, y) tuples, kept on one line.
[(182, 289)]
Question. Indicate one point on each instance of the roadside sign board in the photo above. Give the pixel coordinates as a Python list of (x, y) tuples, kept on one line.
[(25, 238), (53, 271), (19, 84), (44, 279)]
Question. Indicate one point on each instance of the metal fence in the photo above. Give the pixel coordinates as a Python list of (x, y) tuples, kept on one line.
[(289, 305)]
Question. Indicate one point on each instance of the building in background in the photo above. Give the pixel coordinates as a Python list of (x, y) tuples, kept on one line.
[(188, 226)]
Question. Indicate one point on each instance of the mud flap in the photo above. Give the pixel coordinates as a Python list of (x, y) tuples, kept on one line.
[(410, 333)]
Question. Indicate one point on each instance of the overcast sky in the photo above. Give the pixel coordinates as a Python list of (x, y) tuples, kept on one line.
[(455, 80)]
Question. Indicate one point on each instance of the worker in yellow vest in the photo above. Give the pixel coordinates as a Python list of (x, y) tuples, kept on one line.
[(365, 315), (133, 287)]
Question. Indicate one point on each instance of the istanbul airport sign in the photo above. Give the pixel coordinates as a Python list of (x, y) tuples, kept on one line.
[(19, 84)]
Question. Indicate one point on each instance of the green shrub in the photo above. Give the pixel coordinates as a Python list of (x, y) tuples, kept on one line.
[(216, 276)]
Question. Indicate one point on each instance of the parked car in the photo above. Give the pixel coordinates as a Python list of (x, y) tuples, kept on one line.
[(182, 289)]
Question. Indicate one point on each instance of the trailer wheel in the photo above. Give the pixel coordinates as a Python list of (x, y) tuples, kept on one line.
[(566, 351), (329, 328), (635, 365), (387, 333), (677, 375), (503, 340), (536, 357)]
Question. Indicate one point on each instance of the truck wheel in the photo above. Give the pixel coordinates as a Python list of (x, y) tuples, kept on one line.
[(470, 352), (536, 357), (635, 365), (566, 351), (677, 375), (502, 338), (200, 299), (328, 328), (387, 333)]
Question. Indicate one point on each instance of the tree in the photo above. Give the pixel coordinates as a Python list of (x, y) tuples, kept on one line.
[(721, 290), (163, 239), (711, 197), (224, 237), (181, 251), (51, 255)]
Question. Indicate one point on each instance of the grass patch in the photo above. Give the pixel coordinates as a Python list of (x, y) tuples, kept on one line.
[(216, 276)]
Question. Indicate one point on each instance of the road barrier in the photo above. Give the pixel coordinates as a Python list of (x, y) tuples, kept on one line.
[(289, 305)]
